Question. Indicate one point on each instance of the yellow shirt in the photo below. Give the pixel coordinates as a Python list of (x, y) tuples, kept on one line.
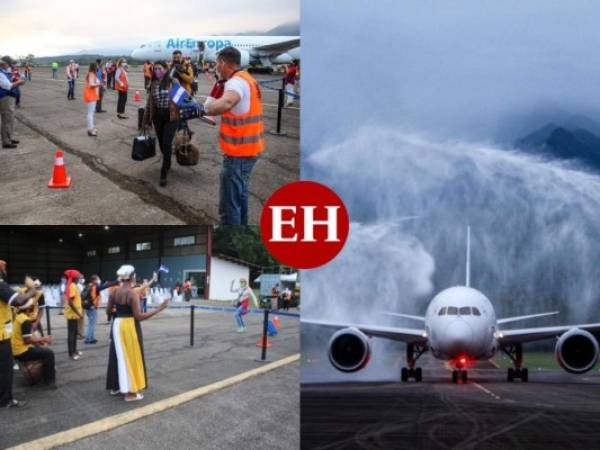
[(21, 328), (76, 296)]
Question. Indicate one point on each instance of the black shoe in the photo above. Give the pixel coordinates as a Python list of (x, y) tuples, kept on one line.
[(51, 386), (14, 141), (9, 145), (16, 404), (163, 181), (101, 111)]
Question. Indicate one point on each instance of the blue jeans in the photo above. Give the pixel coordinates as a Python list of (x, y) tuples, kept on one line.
[(92, 314), (144, 304), (239, 312), (71, 93), (235, 180)]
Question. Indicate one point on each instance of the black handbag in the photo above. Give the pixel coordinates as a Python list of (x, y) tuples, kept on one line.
[(185, 153), (144, 147)]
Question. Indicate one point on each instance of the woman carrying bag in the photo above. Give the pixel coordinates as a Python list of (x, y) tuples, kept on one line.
[(91, 95), (163, 114)]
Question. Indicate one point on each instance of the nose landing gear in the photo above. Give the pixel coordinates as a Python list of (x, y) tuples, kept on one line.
[(459, 374), (413, 352)]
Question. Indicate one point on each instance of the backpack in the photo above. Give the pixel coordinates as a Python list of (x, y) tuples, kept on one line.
[(86, 298)]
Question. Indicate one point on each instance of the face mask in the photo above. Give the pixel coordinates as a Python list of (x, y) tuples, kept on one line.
[(160, 73)]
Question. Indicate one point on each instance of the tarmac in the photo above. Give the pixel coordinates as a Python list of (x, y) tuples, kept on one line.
[(104, 177), (262, 411), (553, 410)]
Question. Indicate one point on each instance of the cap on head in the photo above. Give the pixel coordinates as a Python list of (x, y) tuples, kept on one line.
[(8, 60), (126, 272)]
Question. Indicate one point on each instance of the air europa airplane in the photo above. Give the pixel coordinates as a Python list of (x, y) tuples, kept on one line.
[(263, 50), (460, 326)]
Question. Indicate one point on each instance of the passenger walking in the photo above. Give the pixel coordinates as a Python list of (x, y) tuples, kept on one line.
[(122, 86), (147, 75), (101, 74), (163, 114), (245, 294), (241, 135), (290, 78), (71, 75), (16, 76), (91, 94), (73, 311), (126, 372), (6, 104)]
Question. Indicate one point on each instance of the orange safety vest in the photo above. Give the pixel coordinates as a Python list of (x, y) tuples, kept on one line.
[(124, 86), (243, 134), (90, 93)]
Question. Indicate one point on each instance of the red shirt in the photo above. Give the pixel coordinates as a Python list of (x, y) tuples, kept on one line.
[(16, 75)]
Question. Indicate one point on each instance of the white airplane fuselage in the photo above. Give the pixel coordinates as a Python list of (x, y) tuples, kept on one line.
[(164, 48), (460, 322)]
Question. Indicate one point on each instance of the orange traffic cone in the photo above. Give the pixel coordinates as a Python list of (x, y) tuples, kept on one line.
[(59, 175), (263, 342), (137, 97), (276, 322)]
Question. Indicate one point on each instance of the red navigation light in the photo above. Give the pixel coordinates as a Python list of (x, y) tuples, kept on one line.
[(463, 360)]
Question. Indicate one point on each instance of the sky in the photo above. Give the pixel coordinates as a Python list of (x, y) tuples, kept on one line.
[(49, 28), (458, 69)]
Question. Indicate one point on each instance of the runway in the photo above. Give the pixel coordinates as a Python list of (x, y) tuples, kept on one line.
[(554, 410), (103, 173)]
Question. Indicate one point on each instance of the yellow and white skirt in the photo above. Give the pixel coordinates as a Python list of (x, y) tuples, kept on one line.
[(126, 366)]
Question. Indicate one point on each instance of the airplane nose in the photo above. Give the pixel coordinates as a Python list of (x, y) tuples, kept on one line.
[(458, 338)]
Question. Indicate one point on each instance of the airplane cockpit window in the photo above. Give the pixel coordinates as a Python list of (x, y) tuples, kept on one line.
[(452, 310), (476, 312), (442, 311), (465, 311)]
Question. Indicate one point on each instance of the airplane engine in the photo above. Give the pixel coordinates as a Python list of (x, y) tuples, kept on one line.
[(245, 59), (577, 351), (284, 58), (349, 350)]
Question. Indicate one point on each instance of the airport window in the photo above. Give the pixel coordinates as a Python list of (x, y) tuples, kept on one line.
[(476, 312), (442, 311), (114, 250), (184, 240), (91, 252), (452, 310), (465, 311), (142, 246)]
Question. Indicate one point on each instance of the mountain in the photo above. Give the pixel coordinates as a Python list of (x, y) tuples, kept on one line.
[(562, 142), (286, 29)]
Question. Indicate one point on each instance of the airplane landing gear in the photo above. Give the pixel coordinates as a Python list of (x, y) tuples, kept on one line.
[(515, 353), (459, 374), (413, 352)]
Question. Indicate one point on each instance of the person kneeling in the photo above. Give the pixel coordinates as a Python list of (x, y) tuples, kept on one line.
[(28, 346)]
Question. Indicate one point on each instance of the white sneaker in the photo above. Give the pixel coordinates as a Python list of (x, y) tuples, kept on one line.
[(76, 357), (241, 329), (79, 353), (115, 392)]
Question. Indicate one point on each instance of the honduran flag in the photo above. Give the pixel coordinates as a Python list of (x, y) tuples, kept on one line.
[(178, 95), (163, 268)]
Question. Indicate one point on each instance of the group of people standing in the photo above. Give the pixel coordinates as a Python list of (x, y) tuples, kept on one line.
[(22, 338)]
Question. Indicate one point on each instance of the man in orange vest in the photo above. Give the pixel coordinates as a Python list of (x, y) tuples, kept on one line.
[(241, 135)]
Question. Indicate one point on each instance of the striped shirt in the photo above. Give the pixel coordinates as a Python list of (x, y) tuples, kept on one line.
[(161, 96)]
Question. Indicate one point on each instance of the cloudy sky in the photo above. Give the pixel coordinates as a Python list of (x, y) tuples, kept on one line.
[(454, 68), (48, 28)]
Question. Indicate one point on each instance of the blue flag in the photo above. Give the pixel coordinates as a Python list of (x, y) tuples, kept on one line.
[(163, 268), (178, 95)]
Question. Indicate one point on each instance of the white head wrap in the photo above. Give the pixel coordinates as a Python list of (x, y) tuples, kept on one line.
[(125, 272)]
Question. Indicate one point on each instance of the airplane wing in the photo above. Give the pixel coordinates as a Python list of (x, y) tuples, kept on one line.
[(530, 316), (405, 316), (518, 336), (279, 47), (410, 335)]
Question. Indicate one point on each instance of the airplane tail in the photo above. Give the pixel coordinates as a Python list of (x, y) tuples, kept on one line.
[(468, 267)]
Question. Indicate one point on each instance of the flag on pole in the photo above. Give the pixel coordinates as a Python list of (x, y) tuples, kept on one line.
[(163, 268)]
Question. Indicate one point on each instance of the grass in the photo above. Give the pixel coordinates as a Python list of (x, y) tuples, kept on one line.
[(531, 360)]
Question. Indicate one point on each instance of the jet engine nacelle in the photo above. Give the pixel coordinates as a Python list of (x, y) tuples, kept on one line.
[(577, 351), (283, 58), (349, 350)]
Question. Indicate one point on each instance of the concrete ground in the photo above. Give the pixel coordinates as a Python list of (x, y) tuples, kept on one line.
[(104, 175), (261, 412), (554, 410)]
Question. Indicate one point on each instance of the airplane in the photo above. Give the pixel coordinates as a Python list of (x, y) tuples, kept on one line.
[(460, 326), (264, 50)]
